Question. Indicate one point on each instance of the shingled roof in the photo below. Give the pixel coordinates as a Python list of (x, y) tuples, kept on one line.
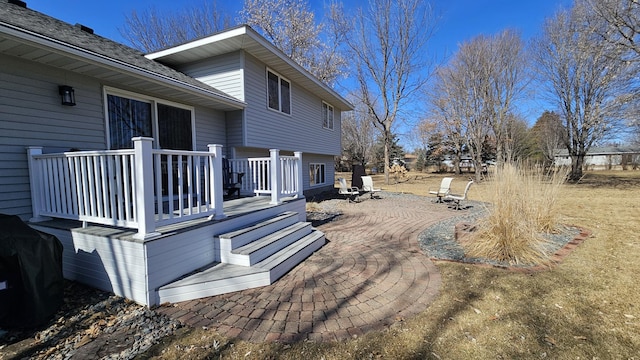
[(604, 150), (16, 17)]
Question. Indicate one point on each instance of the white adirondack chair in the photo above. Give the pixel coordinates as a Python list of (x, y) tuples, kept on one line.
[(367, 185), (457, 198), (445, 188), (350, 193)]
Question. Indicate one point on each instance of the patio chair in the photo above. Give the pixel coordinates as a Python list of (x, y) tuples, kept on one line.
[(445, 188), (350, 193), (231, 181), (457, 198), (367, 185)]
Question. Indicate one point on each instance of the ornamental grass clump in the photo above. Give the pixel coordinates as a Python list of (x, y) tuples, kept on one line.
[(523, 207)]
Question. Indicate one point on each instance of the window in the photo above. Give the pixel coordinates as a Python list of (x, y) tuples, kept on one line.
[(128, 118), (327, 116), (130, 115), (174, 128), (316, 174), (278, 93)]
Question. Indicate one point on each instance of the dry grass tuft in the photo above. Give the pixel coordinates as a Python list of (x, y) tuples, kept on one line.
[(523, 205)]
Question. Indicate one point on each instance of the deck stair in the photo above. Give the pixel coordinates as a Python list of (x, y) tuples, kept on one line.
[(255, 255)]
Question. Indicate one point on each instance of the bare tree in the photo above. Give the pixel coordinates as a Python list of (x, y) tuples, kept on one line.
[(463, 98), (152, 30), (422, 132), (489, 75), (386, 49), (548, 136), (516, 142), (473, 82), (591, 91), (292, 27), (358, 136), (451, 108), (506, 73), (427, 139), (617, 22)]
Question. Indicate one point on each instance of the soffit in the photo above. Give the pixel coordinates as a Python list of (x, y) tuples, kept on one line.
[(25, 45)]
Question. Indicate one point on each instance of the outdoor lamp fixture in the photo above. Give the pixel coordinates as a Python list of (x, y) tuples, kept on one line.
[(67, 94)]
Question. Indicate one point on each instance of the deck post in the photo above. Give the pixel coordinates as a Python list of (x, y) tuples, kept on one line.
[(276, 177), (145, 212), (35, 184), (299, 184), (216, 181)]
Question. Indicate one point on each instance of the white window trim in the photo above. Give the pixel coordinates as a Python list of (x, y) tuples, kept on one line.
[(324, 181), (107, 90), (333, 110), (280, 77)]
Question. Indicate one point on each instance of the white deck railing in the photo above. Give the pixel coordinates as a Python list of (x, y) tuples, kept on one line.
[(144, 188), (259, 179)]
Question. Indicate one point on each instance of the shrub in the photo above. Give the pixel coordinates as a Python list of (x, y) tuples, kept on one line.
[(523, 206)]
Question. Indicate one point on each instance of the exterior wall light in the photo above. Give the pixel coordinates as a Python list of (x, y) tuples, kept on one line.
[(67, 94)]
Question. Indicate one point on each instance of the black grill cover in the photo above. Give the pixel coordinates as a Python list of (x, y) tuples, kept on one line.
[(30, 273)]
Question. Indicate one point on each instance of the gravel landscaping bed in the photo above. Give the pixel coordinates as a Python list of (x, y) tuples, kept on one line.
[(439, 242), (91, 324)]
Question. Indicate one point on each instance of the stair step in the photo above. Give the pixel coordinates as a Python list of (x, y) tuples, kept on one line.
[(220, 278), (286, 259), (214, 279), (260, 249), (238, 238)]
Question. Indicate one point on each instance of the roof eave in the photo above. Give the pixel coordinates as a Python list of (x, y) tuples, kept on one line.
[(80, 53)]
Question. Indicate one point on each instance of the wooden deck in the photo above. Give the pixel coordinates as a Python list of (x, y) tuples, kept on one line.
[(114, 259), (233, 208)]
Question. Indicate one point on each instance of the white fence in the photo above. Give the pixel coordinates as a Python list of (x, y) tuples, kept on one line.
[(144, 188)]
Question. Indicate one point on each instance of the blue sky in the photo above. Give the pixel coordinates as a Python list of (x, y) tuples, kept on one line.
[(460, 20)]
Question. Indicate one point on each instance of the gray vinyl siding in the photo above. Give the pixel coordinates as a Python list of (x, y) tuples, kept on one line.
[(300, 131), (234, 121), (223, 72), (329, 172), (210, 128), (31, 115), (103, 262)]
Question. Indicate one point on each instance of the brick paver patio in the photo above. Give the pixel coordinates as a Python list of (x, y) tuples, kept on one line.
[(370, 274)]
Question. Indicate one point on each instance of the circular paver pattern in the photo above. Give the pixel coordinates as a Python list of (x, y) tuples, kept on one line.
[(370, 274)]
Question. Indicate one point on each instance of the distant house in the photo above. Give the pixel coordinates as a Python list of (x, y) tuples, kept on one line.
[(604, 158), (120, 154)]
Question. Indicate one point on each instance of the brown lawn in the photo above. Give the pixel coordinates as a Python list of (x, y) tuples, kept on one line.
[(587, 307)]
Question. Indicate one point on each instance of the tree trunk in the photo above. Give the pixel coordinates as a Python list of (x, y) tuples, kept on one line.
[(576, 167), (456, 164), (387, 167), (478, 167), (500, 158)]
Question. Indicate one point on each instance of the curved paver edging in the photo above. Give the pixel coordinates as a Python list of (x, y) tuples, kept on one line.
[(370, 274), (440, 244)]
